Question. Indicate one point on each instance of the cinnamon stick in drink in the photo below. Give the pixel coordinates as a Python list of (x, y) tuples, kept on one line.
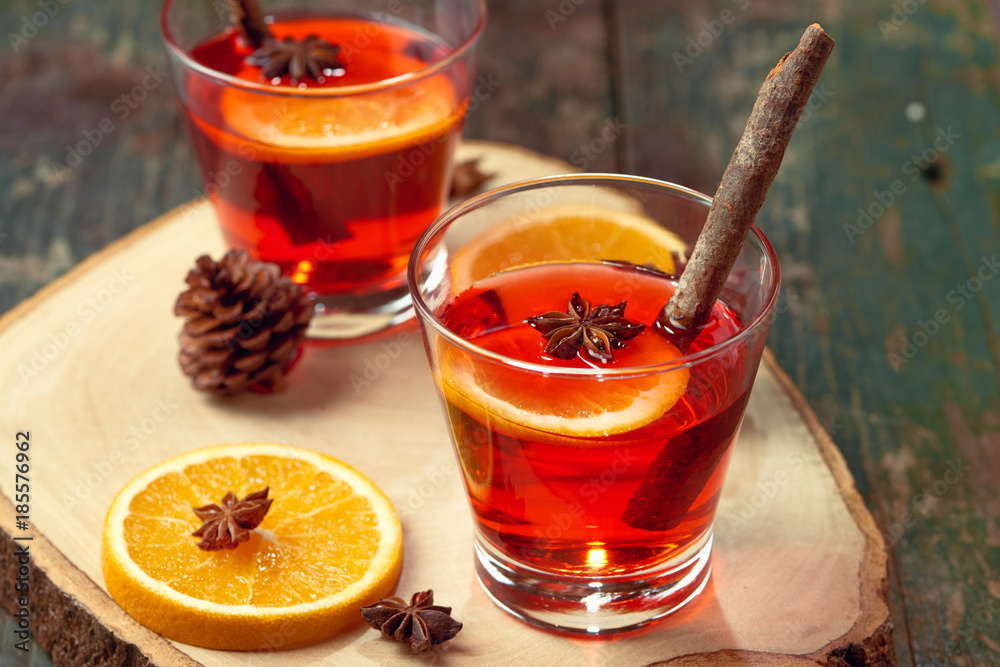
[(248, 18), (679, 473), (752, 168)]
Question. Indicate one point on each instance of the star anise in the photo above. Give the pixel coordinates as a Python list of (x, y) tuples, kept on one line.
[(599, 331), (230, 523), (421, 624), (313, 56), (468, 178)]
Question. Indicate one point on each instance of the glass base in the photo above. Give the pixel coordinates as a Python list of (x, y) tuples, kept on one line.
[(593, 605), (346, 317)]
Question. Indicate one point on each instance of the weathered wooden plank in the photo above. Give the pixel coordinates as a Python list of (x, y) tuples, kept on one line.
[(549, 62), (846, 304), (894, 87), (89, 126), (12, 655)]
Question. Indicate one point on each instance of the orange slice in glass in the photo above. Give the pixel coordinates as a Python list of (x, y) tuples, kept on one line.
[(534, 406), (286, 127), (330, 543), (567, 232)]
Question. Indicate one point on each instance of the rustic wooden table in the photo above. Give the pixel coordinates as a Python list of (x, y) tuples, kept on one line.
[(889, 333)]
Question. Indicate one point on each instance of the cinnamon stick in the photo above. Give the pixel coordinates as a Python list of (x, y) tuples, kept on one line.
[(744, 185), (247, 17)]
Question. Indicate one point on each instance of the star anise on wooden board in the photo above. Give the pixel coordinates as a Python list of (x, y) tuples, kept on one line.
[(468, 178), (313, 56), (229, 524), (599, 331), (421, 624)]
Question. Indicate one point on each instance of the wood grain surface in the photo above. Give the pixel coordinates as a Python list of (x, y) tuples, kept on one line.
[(793, 539), (596, 83)]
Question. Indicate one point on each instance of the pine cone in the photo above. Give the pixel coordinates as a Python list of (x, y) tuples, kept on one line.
[(244, 324)]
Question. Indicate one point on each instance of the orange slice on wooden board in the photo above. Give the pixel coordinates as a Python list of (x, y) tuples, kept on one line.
[(567, 232), (330, 543)]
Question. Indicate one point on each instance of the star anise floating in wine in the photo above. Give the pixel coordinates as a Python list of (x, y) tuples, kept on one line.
[(421, 624), (312, 56), (229, 524), (599, 331)]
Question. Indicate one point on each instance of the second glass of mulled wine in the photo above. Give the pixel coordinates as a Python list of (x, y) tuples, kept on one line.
[(325, 131)]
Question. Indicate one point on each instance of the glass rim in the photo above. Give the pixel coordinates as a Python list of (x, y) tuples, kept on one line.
[(344, 91), (426, 315)]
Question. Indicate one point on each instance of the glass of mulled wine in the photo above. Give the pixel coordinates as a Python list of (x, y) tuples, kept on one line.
[(330, 172), (593, 449)]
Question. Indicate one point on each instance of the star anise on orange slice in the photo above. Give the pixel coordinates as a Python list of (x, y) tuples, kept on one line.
[(599, 331), (228, 524), (312, 56), (421, 624)]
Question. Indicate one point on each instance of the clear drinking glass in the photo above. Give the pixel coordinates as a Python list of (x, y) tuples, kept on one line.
[(333, 180), (593, 485)]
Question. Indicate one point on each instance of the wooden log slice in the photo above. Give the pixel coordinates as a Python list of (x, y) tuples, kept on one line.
[(89, 368)]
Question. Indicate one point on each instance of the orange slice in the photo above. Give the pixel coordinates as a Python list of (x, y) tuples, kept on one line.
[(537, 408), (567, 232), (330, 543), (337, 128)]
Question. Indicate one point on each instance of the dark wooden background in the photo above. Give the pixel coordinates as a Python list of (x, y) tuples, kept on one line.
[(921, 430)]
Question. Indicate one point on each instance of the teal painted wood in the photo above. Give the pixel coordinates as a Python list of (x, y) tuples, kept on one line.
[(563, 74), (10, 655), (552, 79), (91, 61), (919, 429)]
